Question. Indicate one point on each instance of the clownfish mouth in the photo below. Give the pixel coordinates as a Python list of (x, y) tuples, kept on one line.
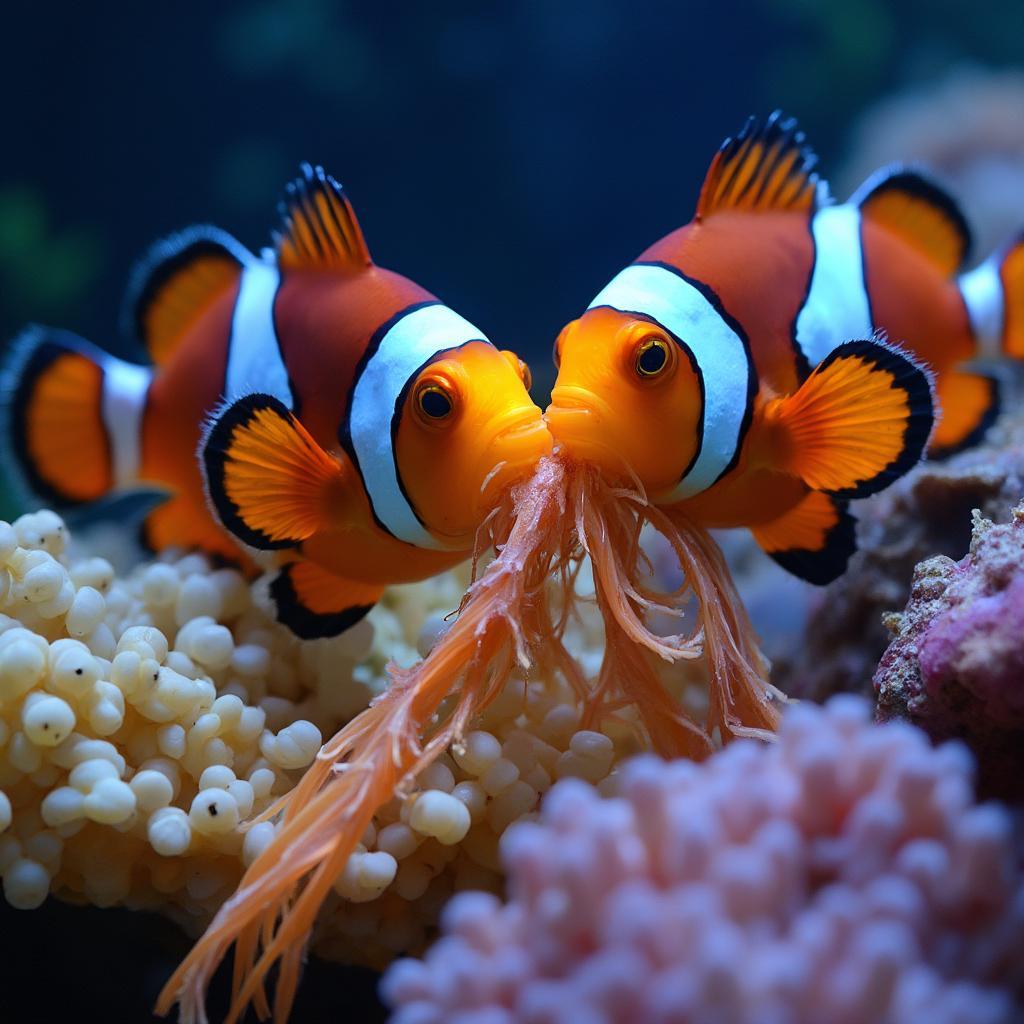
[(519, 441), (576, 418)]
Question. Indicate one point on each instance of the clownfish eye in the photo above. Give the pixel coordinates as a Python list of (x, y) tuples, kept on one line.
[(525, 375), (434, 402), (651, 357)]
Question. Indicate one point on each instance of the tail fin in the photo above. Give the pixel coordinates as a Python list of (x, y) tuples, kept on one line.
[(994, 295), (71, 416)]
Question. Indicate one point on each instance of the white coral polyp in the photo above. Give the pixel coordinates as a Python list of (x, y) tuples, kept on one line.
[(843, 874)]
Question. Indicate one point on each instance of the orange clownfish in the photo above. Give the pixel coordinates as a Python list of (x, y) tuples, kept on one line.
[(738, 367), (333, 415)]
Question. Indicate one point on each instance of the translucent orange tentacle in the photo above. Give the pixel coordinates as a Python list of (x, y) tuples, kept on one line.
[(510, 617), (504, 620), (742, 701)]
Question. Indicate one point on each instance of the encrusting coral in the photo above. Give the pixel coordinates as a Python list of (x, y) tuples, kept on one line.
[(142, 717), (956, 663), (926, 513), (857, 882)]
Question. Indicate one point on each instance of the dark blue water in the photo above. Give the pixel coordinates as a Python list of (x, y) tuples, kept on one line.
[(509, 160)]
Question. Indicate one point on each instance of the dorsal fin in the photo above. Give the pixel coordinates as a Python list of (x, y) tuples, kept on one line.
[(911, 205), (320, 230), (767, 166), (175, 282)]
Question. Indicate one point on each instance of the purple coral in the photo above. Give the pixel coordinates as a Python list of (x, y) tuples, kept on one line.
[(980, 647), (844, 874), (925, 513), (956, 663)]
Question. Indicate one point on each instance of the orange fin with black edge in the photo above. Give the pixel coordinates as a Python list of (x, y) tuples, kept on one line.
[(270, 484), (314, 603), (970, 403), (766, 166), (181, 523), (860, 420), (72, 415), (320, 230), (909, 204), (176, 282), (1011, 280), (813, 540), (1011, 275)]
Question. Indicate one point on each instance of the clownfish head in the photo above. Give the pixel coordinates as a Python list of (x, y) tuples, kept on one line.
[(627, 399), (467, 430)]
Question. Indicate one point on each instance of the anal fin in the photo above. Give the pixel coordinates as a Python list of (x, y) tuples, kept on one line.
[(970, 404), (314, 603), (813, 540), (180, 523)]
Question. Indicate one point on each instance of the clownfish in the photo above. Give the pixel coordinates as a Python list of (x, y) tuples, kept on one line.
[(740, 368), (333, 417)]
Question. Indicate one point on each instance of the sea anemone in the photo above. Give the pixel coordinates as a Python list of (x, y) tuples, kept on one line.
[(143, 716), (844, 873)]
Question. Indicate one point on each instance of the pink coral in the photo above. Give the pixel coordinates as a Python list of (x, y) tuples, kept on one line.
[(955, 665), (843, 874)]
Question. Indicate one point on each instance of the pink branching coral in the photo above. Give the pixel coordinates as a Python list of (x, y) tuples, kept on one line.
[(842, 874), (956, 663)]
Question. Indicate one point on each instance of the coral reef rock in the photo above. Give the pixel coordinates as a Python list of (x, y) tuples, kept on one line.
[(926, 513), (844, 873), (956, 663)]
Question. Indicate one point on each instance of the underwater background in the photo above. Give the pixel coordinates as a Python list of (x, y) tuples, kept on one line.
[(510, 159)]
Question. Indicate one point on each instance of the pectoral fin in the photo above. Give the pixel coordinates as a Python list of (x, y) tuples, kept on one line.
[(860, 420), (813, 540), (314, 603), (269, 482)]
